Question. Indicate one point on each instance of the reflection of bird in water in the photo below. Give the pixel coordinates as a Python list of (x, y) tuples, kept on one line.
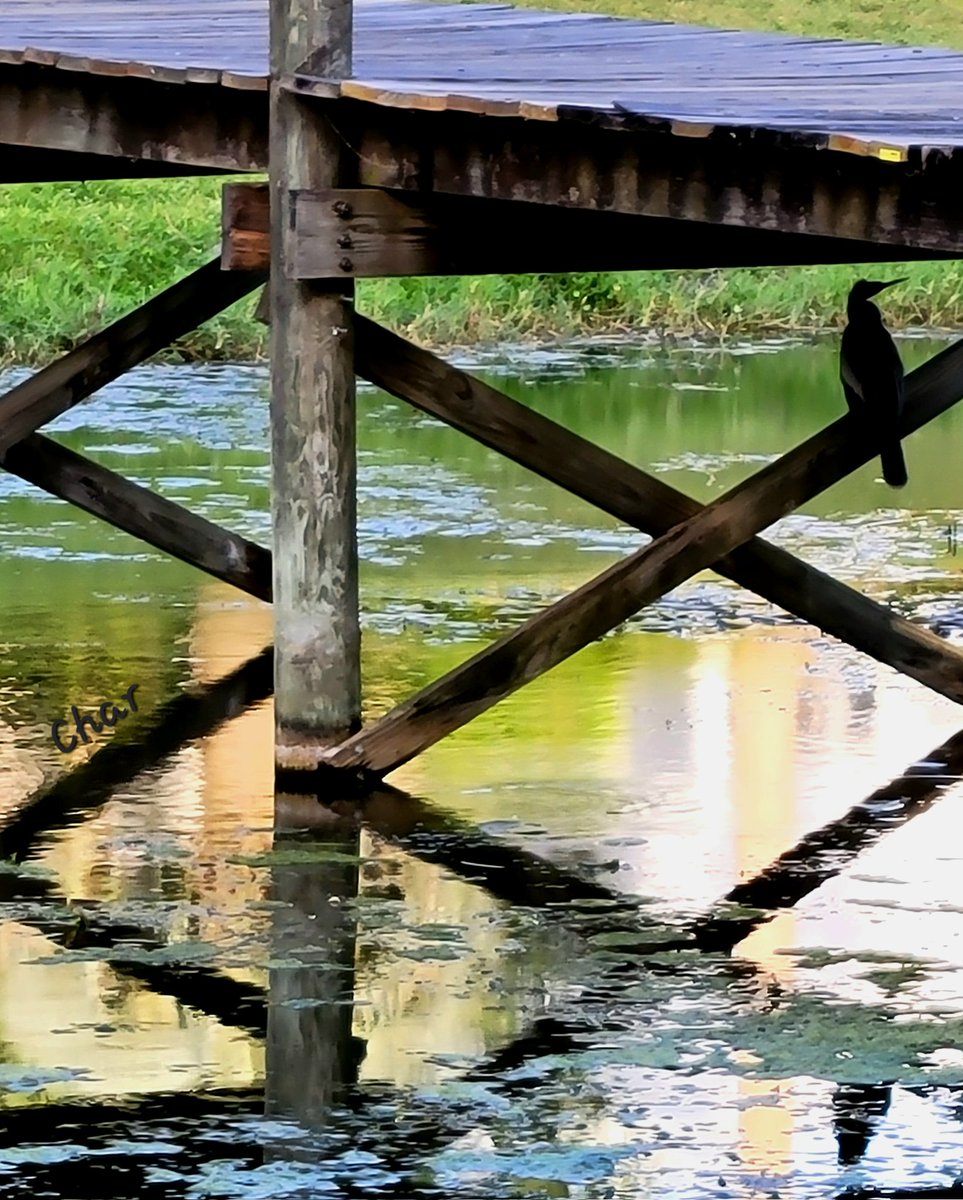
[(857, 1108), (872, 375)]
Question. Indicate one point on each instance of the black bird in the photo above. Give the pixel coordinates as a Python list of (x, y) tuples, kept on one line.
[(872, 374)]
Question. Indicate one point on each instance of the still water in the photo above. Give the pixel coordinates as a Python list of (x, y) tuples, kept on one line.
[(515, 971)]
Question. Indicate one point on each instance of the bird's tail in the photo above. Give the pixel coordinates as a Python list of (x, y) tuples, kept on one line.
[(894, 464)]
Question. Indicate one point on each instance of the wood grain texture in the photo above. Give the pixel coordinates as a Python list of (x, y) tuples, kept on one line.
[(246, 227), (637, 498), (352, 233), (751, 179), (109, 354), (123, 118), (498, 60), (142, 513), (731, 128), (314, 504), (612, 597)]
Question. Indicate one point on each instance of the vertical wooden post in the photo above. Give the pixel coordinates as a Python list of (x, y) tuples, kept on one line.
[(317, 640)]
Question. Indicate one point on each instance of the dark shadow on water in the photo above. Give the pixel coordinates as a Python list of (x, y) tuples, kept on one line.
[(311, 1089), (82, 791), (858, 1110)]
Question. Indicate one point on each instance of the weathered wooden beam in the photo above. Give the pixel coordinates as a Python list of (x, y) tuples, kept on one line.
[(370, 233), (123, 118), (759, 180), (317, 637), (109, 354), (246, 227), (629, 494), (141, 512), (550, 637)]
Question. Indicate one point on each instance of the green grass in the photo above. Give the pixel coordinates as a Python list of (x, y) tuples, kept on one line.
[(926, 23), (75, 256)]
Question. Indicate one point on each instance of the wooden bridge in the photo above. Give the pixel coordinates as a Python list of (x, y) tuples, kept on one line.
[(415, 139)]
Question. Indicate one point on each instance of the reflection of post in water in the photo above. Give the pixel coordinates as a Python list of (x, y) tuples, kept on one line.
[(857, 1110), (311, 1053)]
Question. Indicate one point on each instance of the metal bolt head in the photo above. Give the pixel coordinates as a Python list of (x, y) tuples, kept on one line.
[(345, 264), (343, 209), (344, 241)]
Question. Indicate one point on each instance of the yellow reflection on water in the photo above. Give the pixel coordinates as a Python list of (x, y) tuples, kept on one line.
[(689, 762)]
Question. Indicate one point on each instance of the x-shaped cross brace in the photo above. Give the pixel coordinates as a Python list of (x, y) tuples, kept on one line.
[(689, 538)]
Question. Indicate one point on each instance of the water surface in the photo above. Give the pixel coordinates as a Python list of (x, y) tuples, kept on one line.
[(504, 981)]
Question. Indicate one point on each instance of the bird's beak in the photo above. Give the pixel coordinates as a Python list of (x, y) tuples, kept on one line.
[(891, 283)]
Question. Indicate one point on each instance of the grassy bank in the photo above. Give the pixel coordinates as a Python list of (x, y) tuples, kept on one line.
[(73, 257), (925, 23)]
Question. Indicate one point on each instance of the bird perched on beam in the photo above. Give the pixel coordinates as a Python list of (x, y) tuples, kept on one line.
[(872, 375)]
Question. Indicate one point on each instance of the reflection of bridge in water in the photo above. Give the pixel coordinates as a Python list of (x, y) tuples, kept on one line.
[(317, 1071)]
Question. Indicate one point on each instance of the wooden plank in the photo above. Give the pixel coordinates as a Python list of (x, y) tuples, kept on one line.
[(142, 513), (741, 178), (109, 354), (493, 60), (612, 597), (246, 227), (127, 119), (361, 232), (637, 498), (366, 232), (157, 74), (317, 634), (244, 83)]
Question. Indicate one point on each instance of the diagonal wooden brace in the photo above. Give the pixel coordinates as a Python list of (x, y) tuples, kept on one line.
[(595, 475), (139, 511), (109, 354), (75, 376), (612, 597)]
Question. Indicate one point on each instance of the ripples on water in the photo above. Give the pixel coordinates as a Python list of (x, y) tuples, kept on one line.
[(545, 963)]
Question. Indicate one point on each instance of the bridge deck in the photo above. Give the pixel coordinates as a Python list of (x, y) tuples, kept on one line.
[(503, 61)]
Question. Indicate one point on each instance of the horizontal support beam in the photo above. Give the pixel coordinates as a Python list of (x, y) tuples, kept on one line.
[(613, 163), (115, 350), (371, 233), (599, 606), (637, 498), (754, 179), (140, 512), (120, 117)]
